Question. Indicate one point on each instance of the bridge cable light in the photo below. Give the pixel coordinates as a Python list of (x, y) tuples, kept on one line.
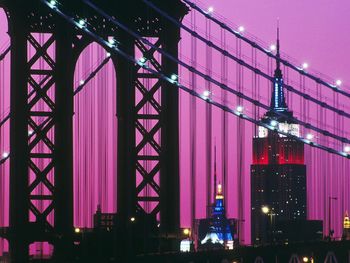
[(273, 47), (210, 10), (241, 29), (174, 78), (52, 3), (309, 136), (206, 94), (143, 60), (274, 123), (82, 23), (338, 82), (239, 109), (305, 65)]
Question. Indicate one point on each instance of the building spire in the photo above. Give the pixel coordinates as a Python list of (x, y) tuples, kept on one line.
[(278, 72), (278, 55), (278, 102)]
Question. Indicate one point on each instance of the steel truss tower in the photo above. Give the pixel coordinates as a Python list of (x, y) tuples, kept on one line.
[(44, 50)]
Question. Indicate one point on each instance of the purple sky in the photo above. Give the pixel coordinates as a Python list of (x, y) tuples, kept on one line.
[(312, 31)]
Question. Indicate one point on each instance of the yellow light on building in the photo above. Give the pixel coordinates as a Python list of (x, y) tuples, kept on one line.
[(346, 223), (186, 231), (265, 209)]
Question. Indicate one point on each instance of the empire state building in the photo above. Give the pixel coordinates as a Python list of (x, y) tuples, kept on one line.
[(278, 172)]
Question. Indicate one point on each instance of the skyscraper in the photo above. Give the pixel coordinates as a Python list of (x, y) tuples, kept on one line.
[(278, 173)]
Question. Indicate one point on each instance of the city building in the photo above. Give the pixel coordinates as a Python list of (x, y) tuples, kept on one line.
[(346, 227), (278, 172), (217, 231)]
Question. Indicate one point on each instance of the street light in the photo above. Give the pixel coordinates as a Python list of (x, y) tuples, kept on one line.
[(267, 211), (330, 198)]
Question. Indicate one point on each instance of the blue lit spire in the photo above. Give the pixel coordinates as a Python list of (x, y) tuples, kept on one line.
[(278, 102)]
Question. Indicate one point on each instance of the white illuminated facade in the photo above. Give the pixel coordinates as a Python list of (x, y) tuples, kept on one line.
[(291, 128)]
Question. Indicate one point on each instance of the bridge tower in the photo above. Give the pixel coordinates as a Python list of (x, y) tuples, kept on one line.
[(44, 50)]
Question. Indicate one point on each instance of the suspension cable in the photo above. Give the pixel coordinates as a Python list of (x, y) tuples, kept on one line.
[(219, 84), (126, 56)]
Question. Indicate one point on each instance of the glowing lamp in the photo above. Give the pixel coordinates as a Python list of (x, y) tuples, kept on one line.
[(309, 136), (108, 54), (82, 22), (206, 93), (30, 132), (111, 41), (82, 82), (174, 77), (338, 82), (273, 47), (132, 219), (241, 29), (265, 209), (77, 230), (53, 3), (305, 259), (305, 65), (274, 123), (5, 155), (186, 231), (347, 149), (143, 60), (210, 9), (240, 109)]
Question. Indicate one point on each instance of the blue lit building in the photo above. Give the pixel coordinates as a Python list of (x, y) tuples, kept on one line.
[(217, 231)]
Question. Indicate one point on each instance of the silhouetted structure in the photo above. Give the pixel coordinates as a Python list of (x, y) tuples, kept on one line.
[(53, 84), (278, 173)]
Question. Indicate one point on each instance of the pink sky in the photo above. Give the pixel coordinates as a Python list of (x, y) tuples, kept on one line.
[(312, 31)]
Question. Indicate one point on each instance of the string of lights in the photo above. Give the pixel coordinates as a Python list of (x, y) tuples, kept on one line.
[(173, 79), (248, 66), (239, 34), (207, 93)]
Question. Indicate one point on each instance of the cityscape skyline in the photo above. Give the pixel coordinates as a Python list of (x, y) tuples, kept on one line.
[(95, 124)]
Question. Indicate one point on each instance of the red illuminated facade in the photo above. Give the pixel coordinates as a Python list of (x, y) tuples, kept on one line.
[(278, 172)]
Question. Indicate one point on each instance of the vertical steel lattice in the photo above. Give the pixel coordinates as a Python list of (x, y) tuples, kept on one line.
[(41, 131)]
